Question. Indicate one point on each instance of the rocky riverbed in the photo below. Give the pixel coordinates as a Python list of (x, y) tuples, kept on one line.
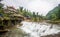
[(34, 29)]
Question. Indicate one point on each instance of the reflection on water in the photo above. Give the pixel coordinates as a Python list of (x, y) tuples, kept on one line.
[(33, 29)]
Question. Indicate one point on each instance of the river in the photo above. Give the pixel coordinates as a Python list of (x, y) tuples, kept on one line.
[(34, 29)]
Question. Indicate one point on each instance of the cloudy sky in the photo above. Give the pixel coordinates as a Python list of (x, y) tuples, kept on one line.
[(41, 6)]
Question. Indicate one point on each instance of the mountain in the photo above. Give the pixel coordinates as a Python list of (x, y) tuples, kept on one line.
[(54, 13)]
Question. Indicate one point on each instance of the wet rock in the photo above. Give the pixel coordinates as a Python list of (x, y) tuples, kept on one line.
[(54, 35), (51, 26)]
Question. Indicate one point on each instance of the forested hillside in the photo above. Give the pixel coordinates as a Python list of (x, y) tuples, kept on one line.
[(54, 14)]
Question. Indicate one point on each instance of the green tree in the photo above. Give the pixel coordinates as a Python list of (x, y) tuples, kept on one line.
[(54, 14), (34, 16), (58, 14), (37, 13), (21, 9), (1, 7)]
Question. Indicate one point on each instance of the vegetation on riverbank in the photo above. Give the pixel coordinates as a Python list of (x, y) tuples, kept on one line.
[(9, 17), (32, 16), (54, 15)]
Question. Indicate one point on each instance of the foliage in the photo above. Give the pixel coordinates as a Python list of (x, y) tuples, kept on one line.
[(34, 16), (1, 8), (54, 14)]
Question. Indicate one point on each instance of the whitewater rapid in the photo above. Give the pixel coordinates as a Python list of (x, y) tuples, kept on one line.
[(34, 29)]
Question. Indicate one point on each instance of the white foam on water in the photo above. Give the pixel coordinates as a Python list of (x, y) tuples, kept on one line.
[(37, 30)]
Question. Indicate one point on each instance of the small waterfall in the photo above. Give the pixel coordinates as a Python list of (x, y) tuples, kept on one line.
[(39, 29)]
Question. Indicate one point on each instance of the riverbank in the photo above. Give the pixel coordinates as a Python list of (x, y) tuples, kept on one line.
[(54, 22), (14, 33), (47, 21)]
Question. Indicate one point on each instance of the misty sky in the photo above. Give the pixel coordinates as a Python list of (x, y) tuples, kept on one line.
[(41, 6)]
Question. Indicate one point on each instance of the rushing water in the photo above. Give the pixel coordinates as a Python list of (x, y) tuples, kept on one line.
[(33, 29)]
